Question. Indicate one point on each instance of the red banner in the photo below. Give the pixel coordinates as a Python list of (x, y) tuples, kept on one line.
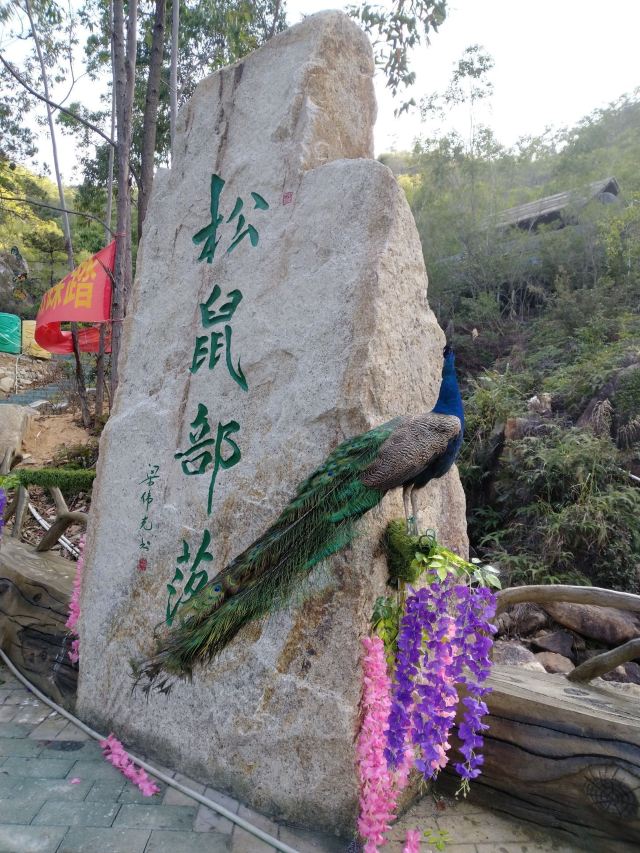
[(84, 296)]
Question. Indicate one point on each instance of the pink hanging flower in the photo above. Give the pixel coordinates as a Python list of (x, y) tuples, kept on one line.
[(115, 753), (74, 605), (379, 784), (412, 841)]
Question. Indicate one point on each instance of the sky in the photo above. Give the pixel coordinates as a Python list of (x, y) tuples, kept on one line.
[(555, 62)]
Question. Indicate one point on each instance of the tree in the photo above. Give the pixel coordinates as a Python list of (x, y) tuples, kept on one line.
[(150, 113), (397, 30), (124, 64), (211, 34), (45, 20)]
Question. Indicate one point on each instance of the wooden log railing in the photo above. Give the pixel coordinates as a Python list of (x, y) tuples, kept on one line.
[(599, 664), (64, 518)]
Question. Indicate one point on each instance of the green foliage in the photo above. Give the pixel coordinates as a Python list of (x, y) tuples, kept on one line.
[(398, 29), (489, 401), (77, 456), (401, 548), (627, 395), (385, 622), (495, 279), (212, 34), (8, 482), (70, 482), (438, 838), (419, 560), (563, 511), (552, 310), (28, 228)]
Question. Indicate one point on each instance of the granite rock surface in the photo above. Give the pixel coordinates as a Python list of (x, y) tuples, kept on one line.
[(332, 336)]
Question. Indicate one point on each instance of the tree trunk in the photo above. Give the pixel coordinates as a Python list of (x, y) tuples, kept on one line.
[(150, 118), (124, 53), (107, 233), (80, 380), (173, 74)]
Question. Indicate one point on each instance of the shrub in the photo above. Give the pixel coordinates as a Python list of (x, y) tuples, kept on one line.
[(563, 511)]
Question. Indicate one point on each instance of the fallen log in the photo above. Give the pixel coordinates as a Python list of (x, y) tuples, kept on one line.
[(35, 589), (564, 756)]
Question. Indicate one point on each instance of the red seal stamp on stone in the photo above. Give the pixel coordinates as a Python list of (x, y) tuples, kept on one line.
[(287, 198), (142, 564)]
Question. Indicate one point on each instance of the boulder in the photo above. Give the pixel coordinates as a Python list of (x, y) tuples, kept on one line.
[(605, 624), (553, 662), (627, 673), (15, 423), (513, 654), (560, 642), (527, 619), (332, 336)]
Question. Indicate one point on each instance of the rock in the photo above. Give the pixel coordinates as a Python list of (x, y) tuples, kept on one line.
[(334, 336), (586, 654), (579, 643), (15, 423), (560, 642), (516, 428), (540, 404), (7, 384), (513, 654), (617, 688), (527, 619), (605, 624), (505, 624), (13, 269), (627, 672), (553, 662)]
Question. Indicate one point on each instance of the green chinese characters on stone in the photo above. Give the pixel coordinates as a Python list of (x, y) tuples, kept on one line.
[(211, 343), (209, 234), (205, 450), (197, 577)]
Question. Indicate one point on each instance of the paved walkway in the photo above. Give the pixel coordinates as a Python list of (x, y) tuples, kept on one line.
[(43, 811)]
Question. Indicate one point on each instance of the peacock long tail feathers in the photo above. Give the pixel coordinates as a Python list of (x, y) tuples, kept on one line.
[(318, 522)]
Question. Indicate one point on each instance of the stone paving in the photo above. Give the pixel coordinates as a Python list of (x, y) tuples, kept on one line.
[(43, 809)]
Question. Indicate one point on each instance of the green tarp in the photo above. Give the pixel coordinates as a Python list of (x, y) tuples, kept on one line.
[(10, 333)]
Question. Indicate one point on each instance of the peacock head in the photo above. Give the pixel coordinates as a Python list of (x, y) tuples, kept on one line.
[(448, 352), (449, 363)]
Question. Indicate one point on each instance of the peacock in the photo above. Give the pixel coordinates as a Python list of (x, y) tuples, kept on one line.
[(318, 522)]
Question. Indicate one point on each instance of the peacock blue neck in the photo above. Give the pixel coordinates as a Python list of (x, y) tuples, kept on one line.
[(449, 400)]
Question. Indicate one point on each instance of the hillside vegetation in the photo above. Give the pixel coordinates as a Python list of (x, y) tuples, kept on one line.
[(550, 312), (36, 231)]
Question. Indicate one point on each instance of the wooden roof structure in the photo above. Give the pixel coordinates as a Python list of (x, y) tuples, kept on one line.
[(528, 216)]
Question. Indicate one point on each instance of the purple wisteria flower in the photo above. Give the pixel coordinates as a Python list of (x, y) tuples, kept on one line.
[(3, 505), (443, 648)]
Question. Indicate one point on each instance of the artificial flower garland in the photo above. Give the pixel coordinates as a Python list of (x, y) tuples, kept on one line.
[(74, 606), (114, 752), (3, 505), (443, 647), (112, 748)]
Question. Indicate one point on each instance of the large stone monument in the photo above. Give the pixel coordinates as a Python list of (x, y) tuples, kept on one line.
[(279, 307)]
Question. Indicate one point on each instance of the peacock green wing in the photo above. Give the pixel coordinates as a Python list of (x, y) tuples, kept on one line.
[(317, 523)]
